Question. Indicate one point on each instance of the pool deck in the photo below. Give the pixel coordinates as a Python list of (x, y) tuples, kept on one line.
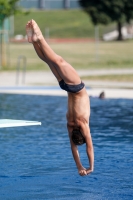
[(44, 83)]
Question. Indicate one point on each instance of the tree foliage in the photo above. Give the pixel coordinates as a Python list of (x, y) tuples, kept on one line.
[(8, 8), (105, 11)]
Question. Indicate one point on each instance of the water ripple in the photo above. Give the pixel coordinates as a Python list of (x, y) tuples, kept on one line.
[(36, 162)]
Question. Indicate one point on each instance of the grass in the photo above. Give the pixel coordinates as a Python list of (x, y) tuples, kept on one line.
[(79, 55), (113, 55), (61, 23), (119, 78), (72, 24)]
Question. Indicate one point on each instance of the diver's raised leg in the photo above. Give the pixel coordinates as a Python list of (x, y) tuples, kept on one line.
[(40, 54), (38, 50), (64, 69)]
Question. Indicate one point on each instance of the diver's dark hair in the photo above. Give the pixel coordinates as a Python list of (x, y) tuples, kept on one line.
[(77, 137)]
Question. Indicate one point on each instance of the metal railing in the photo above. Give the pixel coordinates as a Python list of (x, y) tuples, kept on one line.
[(24, 60)]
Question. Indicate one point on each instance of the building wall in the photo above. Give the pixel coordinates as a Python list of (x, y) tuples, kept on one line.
[(49, 4)]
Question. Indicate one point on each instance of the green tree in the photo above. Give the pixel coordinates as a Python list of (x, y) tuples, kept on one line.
[(8, 8), (106, 11)]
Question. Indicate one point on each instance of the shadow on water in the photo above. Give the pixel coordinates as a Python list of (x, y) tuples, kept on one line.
[(36, 162)]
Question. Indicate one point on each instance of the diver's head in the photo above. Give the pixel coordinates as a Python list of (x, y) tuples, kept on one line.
[(77, 137)]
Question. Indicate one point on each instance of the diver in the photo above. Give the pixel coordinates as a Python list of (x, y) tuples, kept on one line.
[(78, 101)]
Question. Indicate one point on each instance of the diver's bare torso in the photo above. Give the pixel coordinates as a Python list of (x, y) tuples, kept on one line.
[(78, 108)]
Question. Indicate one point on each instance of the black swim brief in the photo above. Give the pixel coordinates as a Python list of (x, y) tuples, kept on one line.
[(71, 88)]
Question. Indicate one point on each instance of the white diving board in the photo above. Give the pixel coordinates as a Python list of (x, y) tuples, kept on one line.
[(14, 123)]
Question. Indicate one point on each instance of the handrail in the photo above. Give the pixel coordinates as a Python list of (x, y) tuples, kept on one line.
[(23, 58)]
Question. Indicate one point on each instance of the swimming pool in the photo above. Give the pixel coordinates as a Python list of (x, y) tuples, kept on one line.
[(36, 162)]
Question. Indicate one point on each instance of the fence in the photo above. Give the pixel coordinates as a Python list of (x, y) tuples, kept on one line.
[(49, 4)]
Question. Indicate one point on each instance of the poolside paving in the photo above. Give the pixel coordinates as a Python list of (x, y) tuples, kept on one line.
[(11, 83)]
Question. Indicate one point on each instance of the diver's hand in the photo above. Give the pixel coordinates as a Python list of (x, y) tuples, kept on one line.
[(82, 171), (88, 171)]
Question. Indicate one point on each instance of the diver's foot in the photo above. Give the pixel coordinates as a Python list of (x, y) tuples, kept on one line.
[(37, 34), (29, 32)]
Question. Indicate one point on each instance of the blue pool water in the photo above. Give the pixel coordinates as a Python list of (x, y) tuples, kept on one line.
[(36, 162)]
